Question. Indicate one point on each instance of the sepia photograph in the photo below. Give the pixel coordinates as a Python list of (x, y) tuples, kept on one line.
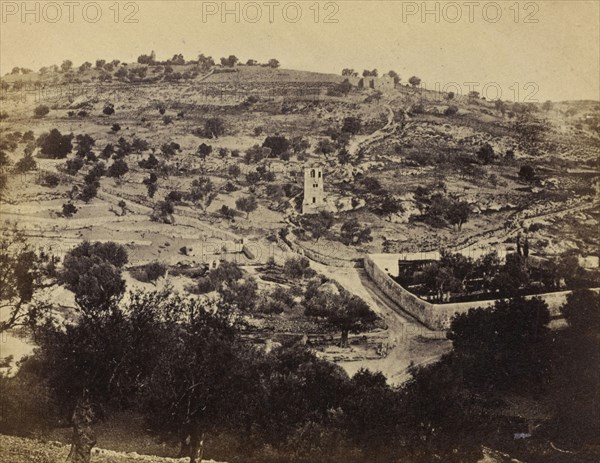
[(351, 231)]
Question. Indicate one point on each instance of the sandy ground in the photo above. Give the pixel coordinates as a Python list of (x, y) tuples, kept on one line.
[(20, 450)]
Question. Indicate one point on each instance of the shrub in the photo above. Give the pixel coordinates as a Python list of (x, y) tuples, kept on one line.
[(89, 191), (486, 154), (41, 111), (451, 110), (214, 127), (527, 173), (69, 209), (417, 109), (298, 267), (353, 233), (274, 192), (175, 196), (95, 172), (25, 164), (227, 212), (155, 270), (150, 163), (270, 306), (55, 145), (50, 181), (234, 170), (230, 187), (118, 169), (26, 403), (352, 125), (277, 143), (74, 165), (535, 227), (269, 176)]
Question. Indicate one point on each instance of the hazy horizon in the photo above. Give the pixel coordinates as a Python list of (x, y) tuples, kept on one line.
[(554, 58)]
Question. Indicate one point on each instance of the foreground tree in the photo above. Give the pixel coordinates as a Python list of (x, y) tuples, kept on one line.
[(97, 363), (348, 313), (93, 273), (20, 274), (84, 362), (199, 381), (575, 391), (501, 346)]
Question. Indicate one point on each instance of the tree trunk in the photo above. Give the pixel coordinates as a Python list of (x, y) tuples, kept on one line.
[(196, 446), (344, 339), (84, 438), (192, 445)]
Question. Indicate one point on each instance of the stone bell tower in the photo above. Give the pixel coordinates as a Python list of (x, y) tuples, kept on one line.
[(314, 195)]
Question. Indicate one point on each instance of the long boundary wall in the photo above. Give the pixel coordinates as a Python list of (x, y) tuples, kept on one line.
[(439, 316)]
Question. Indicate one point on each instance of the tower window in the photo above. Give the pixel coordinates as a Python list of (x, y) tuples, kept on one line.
[(319, 174), (314, 200), (312, 173)]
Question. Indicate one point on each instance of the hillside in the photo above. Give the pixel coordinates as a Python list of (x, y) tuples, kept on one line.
[(408, 138), (416, 143), (189, 167)]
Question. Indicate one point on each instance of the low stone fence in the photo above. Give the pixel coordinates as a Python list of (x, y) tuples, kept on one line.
[(439, 316), (324, 259)]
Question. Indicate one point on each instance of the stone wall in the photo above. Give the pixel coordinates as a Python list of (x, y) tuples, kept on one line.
[(422, 310), (439, 316), (319, 257)]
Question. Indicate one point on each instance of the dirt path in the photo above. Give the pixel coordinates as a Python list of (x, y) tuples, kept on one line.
[(408, 341), (499, 234), (356, 144)]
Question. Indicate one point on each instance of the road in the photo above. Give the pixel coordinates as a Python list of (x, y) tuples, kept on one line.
[(358, 143), (409, 340)]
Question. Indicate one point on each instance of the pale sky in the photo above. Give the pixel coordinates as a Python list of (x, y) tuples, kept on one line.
[(557, 57)]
